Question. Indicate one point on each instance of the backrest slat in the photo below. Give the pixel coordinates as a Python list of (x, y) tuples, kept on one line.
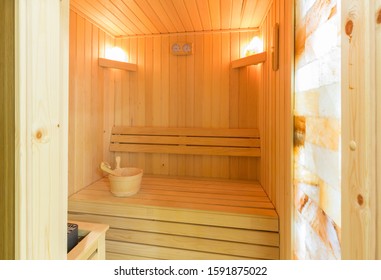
[(196, 141)]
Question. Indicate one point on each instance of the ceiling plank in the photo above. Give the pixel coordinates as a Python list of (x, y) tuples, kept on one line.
[(122, 10), (236, 14), (121, 17), (150, 13), (248, 12), (203, 8), (162, 15), (173, 15), (88, 12), (183, 14), (215, 14), (194, 15), (260, 12), (226, 12)]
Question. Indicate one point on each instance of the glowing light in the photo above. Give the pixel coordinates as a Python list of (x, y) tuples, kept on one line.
[(116, 53), (255, 46)]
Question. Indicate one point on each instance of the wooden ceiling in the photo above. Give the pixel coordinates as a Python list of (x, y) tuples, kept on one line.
[(147, 17)]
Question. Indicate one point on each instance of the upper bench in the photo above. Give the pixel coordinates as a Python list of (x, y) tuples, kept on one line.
[(194, 141)]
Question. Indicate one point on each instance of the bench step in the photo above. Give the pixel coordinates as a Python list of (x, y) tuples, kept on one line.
[(181, 217)]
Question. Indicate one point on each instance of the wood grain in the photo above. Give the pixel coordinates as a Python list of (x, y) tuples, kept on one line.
[(358, 132), (181, 216), (42, 129), (378, 93)]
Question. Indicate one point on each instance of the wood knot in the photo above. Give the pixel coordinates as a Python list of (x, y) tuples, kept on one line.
[(39, 135), (379, 16), (360, 199), (349, 28)]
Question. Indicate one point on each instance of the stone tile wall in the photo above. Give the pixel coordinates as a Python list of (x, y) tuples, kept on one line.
[(317, 130)]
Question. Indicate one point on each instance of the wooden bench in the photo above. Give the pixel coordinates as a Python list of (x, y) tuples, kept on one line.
[(184, 218)]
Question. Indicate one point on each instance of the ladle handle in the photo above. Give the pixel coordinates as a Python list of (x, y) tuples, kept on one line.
[(107, 169), (117, 159)]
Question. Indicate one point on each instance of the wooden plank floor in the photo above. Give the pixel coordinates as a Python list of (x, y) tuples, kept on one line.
[(180, 218)]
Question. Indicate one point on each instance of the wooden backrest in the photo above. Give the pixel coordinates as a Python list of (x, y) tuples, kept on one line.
[(195, 141)]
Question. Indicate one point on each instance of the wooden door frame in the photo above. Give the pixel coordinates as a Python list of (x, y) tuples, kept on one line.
[(41, 128), (361, 136)]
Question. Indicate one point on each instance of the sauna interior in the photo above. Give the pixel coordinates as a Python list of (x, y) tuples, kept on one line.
[(192, 205)]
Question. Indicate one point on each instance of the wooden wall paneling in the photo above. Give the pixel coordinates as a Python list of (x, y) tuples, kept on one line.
[(358, 130), (182, 106), (87, 97), (119, 78), (216, 95), (283, 191), (109, 101), (42, 128), (174, 16), (7, 130), (96, 108), (149, 93), (206, 107), (234, 96), (165, 95), (198, 93), (79, 130), (378, 94), (183, 13), (72, 104), (173, 99), (189, 101)]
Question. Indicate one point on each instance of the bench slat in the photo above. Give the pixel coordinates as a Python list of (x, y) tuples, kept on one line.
[(212, 132), (186, 140), (186, 150)]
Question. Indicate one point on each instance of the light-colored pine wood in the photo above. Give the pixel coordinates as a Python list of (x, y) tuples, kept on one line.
[(183, 218), (183, 229), (104, 62), (41, 128), (359, 130), (195, 244), (167, 253), (378, 124), (7, 130), (275, 123), (140, 139), (138, 17), (92, 246), (249, 60)]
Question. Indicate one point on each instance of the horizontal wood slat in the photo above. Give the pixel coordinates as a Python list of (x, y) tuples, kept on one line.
[(212, 132), (104, 62), (190, 141), (194, 244), (166, 253), (183, 229), (187, 140), (249, 60)]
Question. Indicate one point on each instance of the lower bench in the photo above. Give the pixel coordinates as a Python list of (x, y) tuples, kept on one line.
[(182, 218)]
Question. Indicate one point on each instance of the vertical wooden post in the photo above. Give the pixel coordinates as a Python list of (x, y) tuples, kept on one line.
[(41, 110), (378, 124), (7, 128), (358, 130)]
